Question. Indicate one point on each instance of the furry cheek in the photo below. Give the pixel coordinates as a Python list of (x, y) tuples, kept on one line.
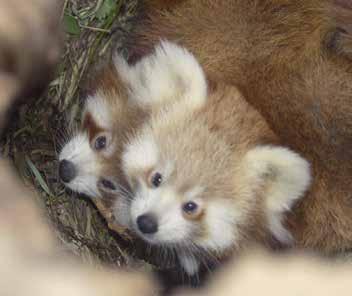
[(140, 205), (78, 145), (78, 152), (174, 228), (219, 232)]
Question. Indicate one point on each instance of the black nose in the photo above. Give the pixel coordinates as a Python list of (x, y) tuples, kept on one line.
[(67, 170), (147, 223)]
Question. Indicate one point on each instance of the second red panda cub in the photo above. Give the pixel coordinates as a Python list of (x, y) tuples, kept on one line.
[(205, 171)]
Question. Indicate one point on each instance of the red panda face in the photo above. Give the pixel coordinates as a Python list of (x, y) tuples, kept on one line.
[(193, 193), (83, 157), (182, 186)]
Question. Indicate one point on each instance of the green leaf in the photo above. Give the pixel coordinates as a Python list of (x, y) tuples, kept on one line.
[(71, 25), (107, 8), (38, 176)]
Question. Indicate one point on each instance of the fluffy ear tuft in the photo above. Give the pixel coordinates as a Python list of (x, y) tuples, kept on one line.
[(98, 108), (284, 176), (170, 73)]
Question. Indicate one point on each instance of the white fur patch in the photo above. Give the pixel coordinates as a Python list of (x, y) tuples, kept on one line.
[(189, 263), (287, 176), (79, 152), (276, 228), (194, 192), (98, 106), (220, 219), (171, 72), (139, 154)]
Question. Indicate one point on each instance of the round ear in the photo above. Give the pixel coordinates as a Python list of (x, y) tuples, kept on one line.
[(170, 73), (283, 176)]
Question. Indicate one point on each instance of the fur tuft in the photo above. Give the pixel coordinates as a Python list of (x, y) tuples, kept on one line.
[(99, 108), (170, 73), (189, 263), (140, 153), (285, 176)]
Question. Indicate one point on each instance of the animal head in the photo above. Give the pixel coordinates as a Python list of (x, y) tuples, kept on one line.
[(192, 190), (190, 187), (85, 156), (89, 160), (175, 169)]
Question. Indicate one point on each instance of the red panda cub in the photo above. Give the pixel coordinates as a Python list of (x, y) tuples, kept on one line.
[(292, 61), (206, 173), (89, 162)]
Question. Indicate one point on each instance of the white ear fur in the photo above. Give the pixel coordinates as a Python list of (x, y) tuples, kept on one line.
[(285, 176), (170, 73), (99, 109), (140, 153)]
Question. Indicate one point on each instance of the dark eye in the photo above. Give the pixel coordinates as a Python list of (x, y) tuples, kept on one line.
[(100, 143), (157, 178), (108, 184), (190, 207)]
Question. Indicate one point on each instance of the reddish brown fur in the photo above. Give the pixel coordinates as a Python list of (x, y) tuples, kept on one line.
[(91, 126), (126, 118), (291, 61)]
